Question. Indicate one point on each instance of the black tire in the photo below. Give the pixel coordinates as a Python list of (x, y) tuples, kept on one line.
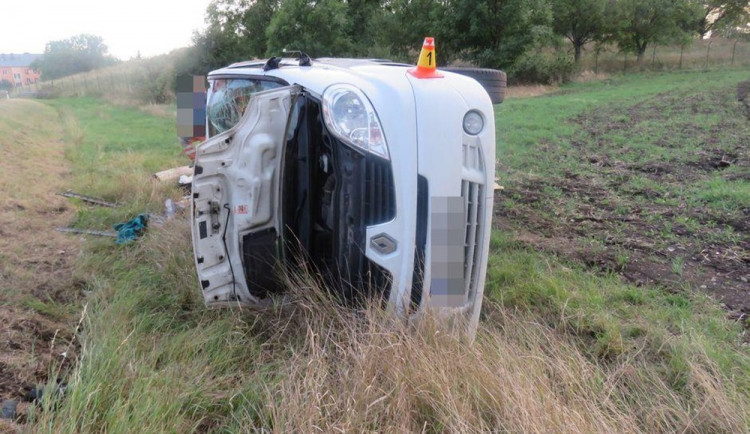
[(492, 80)]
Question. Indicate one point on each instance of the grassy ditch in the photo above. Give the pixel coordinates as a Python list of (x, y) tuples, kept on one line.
[(39, 290), (560, 348)]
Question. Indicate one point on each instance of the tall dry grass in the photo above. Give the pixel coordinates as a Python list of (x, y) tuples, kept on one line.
[(147, 84), (355, 371), (710, 53)]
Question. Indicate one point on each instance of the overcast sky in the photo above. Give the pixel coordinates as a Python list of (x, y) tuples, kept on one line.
[(127, 26)]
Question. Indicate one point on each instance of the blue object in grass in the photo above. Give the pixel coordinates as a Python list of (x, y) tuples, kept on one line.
[(129, 231)]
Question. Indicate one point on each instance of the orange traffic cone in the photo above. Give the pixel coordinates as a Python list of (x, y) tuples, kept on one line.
[(426, 65)]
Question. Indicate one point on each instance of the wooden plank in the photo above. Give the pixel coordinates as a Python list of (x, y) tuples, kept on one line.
[(173, 173)]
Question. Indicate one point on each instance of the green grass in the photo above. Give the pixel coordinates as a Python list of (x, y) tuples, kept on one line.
[(111, 131), (114, 151), (522, 124), (658, 160), (561, 347), (723, 195)]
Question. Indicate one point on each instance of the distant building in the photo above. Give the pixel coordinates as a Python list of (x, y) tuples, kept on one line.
[(16, 68)]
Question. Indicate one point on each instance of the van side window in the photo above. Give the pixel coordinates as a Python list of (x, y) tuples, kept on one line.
[(227, 99)]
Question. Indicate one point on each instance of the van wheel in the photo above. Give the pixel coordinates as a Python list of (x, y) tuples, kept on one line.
[(492, 80)]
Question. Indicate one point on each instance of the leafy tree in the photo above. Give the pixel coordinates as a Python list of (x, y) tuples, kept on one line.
[(494, 33), (487, 32), (242, 29), (580, 21), (369, 28), (6, 84), (640, 23), (70, 56), (409, 21), (722, 15), (317, 27), (235, 31)]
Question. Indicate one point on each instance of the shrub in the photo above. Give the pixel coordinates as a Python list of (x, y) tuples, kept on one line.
[(542, 68), (47, 92), (155, 84)]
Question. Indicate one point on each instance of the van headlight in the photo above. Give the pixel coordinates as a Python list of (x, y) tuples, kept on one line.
[(350, 116), (473, 122)]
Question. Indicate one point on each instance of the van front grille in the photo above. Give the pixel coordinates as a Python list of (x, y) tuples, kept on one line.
[(472, 157), (379, 198), (473, 195)]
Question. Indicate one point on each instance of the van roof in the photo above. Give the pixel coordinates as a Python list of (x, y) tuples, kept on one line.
[(334, 61)]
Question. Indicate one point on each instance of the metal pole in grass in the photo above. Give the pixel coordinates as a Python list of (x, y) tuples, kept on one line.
[(596, 61), (708, 51), (597, 50), (734, 49), (682, 50), (653, 57)]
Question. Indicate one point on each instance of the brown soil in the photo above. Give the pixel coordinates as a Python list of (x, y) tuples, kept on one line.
[(594, 217), (38, 292)]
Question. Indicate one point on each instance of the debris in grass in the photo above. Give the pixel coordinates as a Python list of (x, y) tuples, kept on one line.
[(9, 409), (174, 173), (185, 180), (132, 229), (35, 394), (89, 199), (170, 209), (88, 232), (497, 186), (743, 91), (743, 95)]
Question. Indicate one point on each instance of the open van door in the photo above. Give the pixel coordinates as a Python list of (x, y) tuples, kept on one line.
[(236, 219)]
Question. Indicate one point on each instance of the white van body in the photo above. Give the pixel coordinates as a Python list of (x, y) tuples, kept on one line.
[(380, 179)]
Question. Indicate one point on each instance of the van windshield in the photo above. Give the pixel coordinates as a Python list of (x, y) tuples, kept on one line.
[(227, 99)]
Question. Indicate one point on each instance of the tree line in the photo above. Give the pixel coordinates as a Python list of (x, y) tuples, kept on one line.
[(505, 34), (70, 56), (523, 37)]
